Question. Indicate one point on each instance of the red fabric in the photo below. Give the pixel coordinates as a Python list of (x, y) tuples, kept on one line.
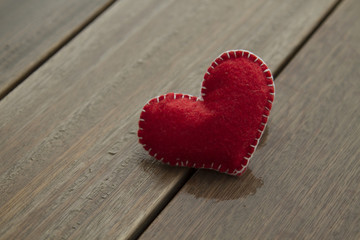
[(219, 131)]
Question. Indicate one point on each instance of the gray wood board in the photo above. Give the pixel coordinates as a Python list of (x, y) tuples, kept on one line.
[(304, 181), (32, 30), (71, 166)]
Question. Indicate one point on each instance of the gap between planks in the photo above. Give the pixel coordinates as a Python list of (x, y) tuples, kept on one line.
[(191, 173), (53, 50), (154, 211)]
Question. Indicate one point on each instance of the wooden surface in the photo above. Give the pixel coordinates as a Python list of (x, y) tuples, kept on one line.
[(71, 166), (304, 182), (32, 30)]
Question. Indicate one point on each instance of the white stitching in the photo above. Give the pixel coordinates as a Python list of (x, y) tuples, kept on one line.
[(235, 171), (239, 172)]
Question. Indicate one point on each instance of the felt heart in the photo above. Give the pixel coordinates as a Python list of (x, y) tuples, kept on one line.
[(219, 130)]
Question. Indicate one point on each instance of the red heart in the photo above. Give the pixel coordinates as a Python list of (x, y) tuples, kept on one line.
[(219, 130)]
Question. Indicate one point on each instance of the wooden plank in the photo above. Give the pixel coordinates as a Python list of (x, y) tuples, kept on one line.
[(304, 181), (71, 166), (32, 30)]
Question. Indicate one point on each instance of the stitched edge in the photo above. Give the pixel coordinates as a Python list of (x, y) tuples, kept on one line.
[(231, 54)]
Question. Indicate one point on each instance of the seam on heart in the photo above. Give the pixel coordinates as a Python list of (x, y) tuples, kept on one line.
[(233, 54), (219, 60), (237, 54), (236, 172)]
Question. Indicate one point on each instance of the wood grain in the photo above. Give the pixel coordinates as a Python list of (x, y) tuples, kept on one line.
[(32, 30), (304, 182), (71, 166)]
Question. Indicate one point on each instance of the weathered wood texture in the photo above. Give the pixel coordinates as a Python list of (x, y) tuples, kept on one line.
[(305, 180), (31, 30), (71, 166)]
